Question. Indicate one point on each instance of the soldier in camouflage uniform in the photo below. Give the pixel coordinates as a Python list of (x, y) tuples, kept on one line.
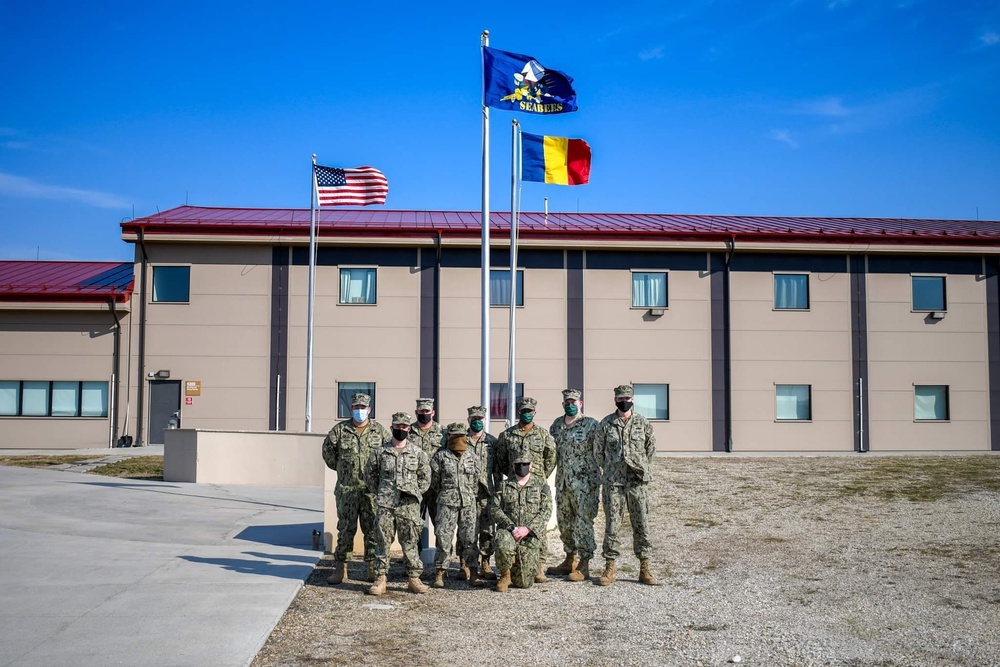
[(346, 449), (624, 446), (521, 507), (578, 486), (485, 446), (398, 474), (531, 440), (429, 436), (456, 483)]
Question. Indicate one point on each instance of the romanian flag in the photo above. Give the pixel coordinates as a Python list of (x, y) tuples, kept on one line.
[(556, 160)]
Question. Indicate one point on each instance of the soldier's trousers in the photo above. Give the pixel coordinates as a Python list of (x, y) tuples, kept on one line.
[(616, 499), (522, 558), (487, 532), (576, 510), (449, 520), (352, 505), (404, 522)]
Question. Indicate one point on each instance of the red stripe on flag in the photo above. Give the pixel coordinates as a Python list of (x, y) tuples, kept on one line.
[(577, 162)]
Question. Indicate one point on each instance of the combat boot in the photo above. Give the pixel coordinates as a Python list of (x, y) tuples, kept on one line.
[(473, 576), (379, 587), (464, 574), (485, 571), (417, 586), (339, 573), (646, 575), (371, 571), (564, 567), (540, 577), (581, 572), (439, 579), (504, 581), (609, 577)]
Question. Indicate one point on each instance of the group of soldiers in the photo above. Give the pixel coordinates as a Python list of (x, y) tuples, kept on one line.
[(491, 491)]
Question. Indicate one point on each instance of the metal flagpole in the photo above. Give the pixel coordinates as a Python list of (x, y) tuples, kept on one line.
[(484, 41), (312, 298), (514, 172)]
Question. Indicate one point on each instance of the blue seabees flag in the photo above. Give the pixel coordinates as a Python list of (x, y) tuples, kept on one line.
[(516, 82)]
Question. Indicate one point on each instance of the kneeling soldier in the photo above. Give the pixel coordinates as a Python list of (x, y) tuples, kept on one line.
[(398, 474), (456, 479), (521, 507)]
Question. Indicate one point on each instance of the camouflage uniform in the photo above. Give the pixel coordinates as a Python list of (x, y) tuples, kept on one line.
[(514, 505), (455, 484), (346, 449), (578, 482), (536, 443), (625, 450), (430, 440), (398, 478), (484, 445)]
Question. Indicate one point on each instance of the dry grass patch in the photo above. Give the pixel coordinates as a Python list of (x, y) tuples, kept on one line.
[(43, 461), (136, 467)]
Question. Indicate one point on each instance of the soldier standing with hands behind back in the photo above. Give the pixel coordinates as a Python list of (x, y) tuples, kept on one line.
[(484, 445)]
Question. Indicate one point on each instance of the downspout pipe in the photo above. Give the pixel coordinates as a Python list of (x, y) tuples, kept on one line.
[(116, 362), (141, 373), (437, 317), (728, 345)]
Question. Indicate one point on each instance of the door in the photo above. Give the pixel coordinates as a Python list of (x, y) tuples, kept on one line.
[(164, 401)]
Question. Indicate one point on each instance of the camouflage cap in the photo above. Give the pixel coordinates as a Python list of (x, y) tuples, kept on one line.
[(401, 418), (571, 393), (624, 391), (361, 399), (477, 412), (425, 404), (522, 458), (457, 428), (526, 403)]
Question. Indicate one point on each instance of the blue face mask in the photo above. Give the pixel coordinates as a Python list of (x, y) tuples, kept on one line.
[(571, 409), (359, 414)]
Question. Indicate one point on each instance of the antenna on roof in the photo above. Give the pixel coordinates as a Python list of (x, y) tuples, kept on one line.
[(38, 253), (546, 222)]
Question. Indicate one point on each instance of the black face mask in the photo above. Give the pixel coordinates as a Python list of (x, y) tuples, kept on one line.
[(425, 419), (522, 469), (624, 406), (400, 434)]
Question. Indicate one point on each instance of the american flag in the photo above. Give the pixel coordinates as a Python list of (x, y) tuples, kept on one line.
[(350, 187)]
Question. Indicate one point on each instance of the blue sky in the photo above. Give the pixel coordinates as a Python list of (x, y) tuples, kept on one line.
[(825, 108)]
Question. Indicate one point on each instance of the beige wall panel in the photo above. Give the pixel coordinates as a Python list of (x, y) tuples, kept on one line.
[(918, 347), (53, 433), (212, 309), (245, 257), (606, 344), (224, 402), (389, 311), (42, 340), (57, 366), (898, 405), (894, 436), (817, 436), (464, 312), (688, 405), (461, 344), (689, 436), (759, 286), (762, 375), (386, 342), (681, 374), (214, 372), (544, 284), (885, 375), (822, 317), (790, 345), (462, 284), (828, 405), (226, 340), (897, 288), (617, 314), (896, 317)]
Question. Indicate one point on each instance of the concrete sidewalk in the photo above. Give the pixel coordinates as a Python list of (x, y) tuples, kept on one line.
[(104, 571)]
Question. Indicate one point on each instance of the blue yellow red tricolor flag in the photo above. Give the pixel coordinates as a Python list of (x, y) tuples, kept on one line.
[(555, 160), (515, 82)]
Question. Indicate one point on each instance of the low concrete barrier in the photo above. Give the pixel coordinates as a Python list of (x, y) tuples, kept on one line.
[(260, 458)]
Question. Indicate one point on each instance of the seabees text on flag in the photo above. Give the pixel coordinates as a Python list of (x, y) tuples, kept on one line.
[(516, 82), (350, 187), (555, 160)]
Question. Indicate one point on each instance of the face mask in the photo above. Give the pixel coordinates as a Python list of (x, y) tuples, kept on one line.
[(425, 419), (624, 406), (476, 425), (400, 434), (571, 409), (522, 469), (360, 414), (527, 417)]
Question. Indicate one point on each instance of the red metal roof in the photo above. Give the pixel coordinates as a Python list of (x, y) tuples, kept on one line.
[(65, 281), (637, 226)]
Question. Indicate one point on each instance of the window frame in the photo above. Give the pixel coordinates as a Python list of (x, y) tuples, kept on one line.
[(370, 392), (502, 387), (152, 291), (340, 285), (50, 389), (774, 291), (666, 387), (666, 288), (796, 420), (947, 404), (944, 294), (520, 292)]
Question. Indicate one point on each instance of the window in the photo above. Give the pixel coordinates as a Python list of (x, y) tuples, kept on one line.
[(793, 402), (347, 389), (498, 397), (59, 398), (171, 284), (930, 402), (500, 287), (791, 291), (649, 290), (652, 401), (928, 293), (357, 286)]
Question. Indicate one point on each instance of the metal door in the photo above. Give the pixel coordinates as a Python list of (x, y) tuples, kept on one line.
[(164, 401)]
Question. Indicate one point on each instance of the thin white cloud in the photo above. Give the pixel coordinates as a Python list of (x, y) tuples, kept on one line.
[(784, 137), (18, 186), (654, 53), (831, 107), (989, 38)]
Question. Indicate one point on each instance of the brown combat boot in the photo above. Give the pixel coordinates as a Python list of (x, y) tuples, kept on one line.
[(503, 583), (417, 586), (339, 573), (378, 588), (473, 575), (540, 577), (564, 567), (581, 572), (371, 571), (609, 577), (485, 571), (646, 575), (463, 573), (439, 578)]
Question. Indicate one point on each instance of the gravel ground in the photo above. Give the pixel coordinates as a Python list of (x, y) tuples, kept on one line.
[(781, 561)]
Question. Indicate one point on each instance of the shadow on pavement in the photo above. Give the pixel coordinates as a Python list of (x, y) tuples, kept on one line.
[(251, 566)]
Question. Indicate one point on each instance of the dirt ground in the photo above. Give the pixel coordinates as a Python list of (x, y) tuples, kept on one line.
[(886, 561)]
